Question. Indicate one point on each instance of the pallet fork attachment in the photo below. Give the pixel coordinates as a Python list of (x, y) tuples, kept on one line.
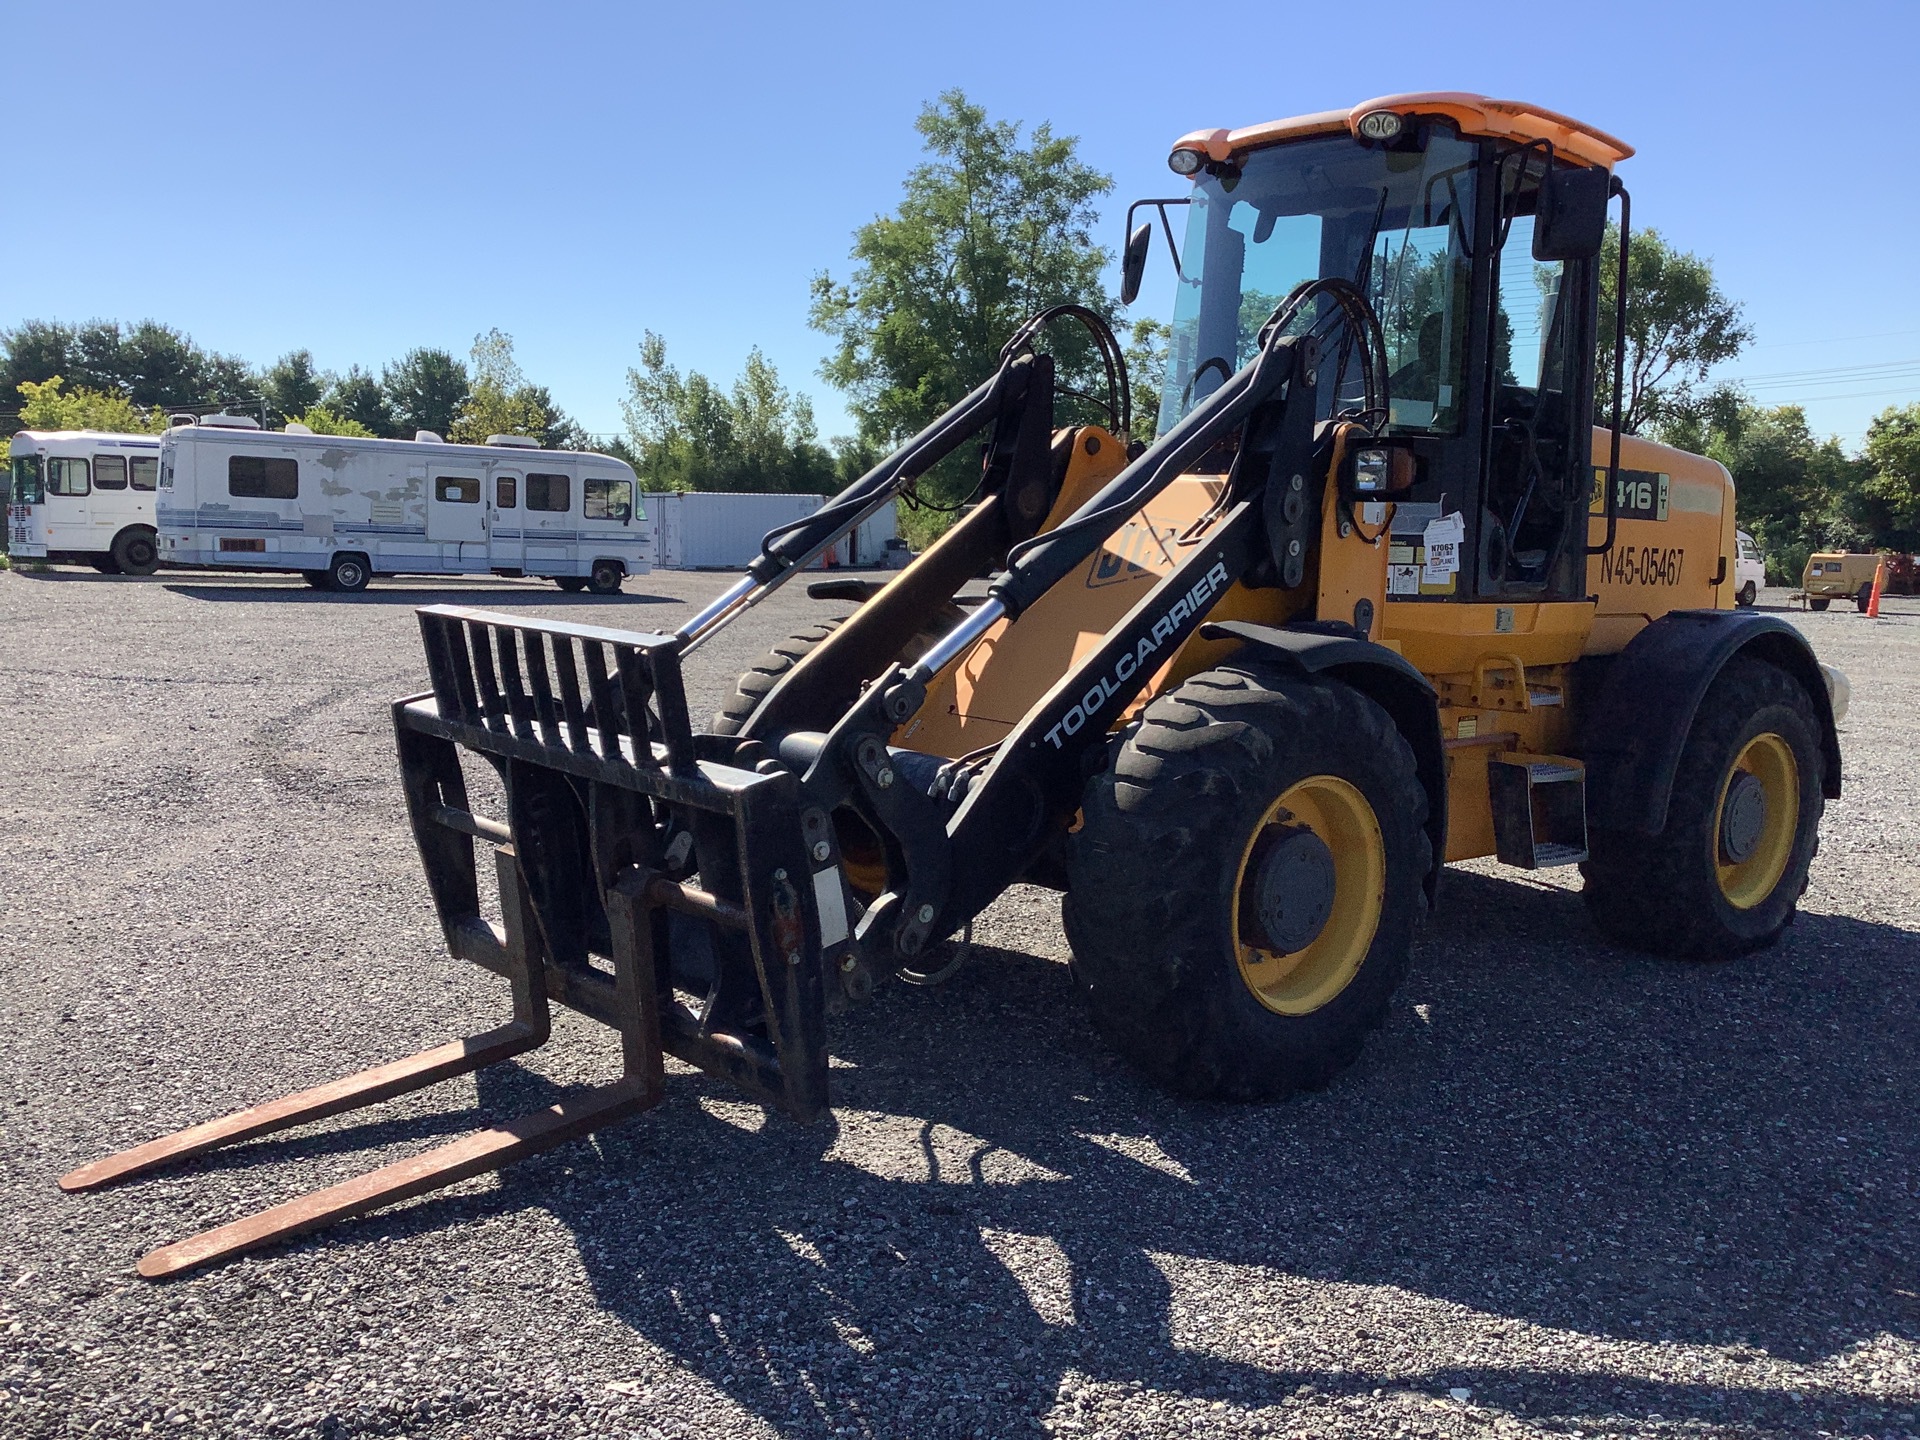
[(607, 800)]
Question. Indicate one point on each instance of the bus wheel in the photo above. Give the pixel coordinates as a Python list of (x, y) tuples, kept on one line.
[(605, 578), (349, 574), (135, 552), (572, 584)]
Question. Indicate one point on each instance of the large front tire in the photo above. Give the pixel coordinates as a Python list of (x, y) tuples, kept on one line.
[(1725, 874), (135, 551), (1244, 889)]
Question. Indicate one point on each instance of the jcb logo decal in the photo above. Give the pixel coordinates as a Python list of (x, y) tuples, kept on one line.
[(1128, 554)]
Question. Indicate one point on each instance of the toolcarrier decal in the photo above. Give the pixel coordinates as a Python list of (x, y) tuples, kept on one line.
[(1134, 662)]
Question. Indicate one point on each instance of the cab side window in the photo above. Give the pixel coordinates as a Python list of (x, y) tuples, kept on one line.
[(605, 498), (67, 475)]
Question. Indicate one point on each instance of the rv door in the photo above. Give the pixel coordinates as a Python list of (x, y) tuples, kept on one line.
[(503, 520), (457, 520)]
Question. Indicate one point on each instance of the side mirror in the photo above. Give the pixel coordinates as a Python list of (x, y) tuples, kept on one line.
[(1572, 219), (1378, 470), (1133, 264)]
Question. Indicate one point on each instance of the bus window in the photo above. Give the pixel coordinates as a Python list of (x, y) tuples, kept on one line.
[(145, 470), (109, 472), (506, 492), (604, 498), (262, 477), (549, 492), (27, 480), (457, 489), (66, 475)]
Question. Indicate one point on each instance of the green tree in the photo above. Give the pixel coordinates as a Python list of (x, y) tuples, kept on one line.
[(1891, 491), (989, 231), (49, 405), (292, 385), (502, 402), (689, 434), (424, 390), (357, 397), (1680, 324), (1147, 373), (324, 420), (148, 363)]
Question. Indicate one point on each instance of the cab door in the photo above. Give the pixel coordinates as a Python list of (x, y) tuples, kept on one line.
[(509, 544), (457, 519), (69, 503)]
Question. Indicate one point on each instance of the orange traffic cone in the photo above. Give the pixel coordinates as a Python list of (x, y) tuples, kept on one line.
[(1879, 584)]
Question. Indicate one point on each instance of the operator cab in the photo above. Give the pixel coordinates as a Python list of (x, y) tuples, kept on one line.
[(1488, 325)]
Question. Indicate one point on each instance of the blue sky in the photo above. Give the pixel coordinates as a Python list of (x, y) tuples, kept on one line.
[(359, 178)]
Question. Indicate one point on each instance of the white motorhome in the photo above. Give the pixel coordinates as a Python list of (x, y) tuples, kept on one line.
[(339, 510), (84, 497)]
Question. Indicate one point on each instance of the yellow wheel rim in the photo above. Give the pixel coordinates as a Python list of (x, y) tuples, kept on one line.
[(1752, 867), (1301, 981)]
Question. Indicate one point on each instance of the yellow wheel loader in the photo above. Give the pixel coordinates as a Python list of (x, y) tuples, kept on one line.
[(1380, 596)]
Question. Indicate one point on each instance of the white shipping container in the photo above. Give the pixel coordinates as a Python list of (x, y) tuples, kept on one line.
[(705, 530)]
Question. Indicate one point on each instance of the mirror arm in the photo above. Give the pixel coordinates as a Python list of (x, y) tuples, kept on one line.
[(1166, 226), (1619, 372)]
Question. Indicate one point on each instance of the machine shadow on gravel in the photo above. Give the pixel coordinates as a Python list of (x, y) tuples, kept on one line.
[(1555, 1134), (502, 597)]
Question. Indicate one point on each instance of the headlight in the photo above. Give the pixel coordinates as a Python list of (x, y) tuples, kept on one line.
[(1185, 162), (1379, 125)]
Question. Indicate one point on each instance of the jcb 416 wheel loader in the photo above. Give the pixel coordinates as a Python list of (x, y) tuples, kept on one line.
[(1378, 597)]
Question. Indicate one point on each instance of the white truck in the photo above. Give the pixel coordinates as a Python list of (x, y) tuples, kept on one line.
[(84, 497), (339, 510)]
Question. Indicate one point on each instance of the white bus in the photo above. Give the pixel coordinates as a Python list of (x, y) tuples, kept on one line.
[(340, 510), (84, 497)]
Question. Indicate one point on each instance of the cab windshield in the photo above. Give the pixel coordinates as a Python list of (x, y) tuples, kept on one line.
[(1399, 224), (27, 485)]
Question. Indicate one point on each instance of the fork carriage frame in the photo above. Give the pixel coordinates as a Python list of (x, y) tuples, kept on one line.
[(615, 808)]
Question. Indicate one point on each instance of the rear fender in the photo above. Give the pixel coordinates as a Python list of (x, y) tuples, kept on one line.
[(1386, 678), (1632, 738)]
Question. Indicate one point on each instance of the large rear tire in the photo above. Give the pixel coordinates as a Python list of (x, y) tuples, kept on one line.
[(1724, 876), (1244, 889)]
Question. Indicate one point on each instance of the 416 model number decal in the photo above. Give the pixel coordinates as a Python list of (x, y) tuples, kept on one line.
[(1642, 565)]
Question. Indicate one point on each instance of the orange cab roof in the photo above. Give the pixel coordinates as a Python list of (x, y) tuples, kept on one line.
[(1473, 114)]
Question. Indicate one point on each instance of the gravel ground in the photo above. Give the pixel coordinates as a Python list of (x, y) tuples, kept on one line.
[(1567, 1191)]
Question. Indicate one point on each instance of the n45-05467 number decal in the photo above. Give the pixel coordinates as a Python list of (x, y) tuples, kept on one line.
[(1642, 565)]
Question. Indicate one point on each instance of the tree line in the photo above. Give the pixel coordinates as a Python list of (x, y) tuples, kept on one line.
[(993, 225)]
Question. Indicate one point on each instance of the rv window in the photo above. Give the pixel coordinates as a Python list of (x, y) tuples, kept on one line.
[(66, 476), (506, 492), (457, 489), (109, 472), (262, 477), (604, 498), (548, 492), (145, 469)]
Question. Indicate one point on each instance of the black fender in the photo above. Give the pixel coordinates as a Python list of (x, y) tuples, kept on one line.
[(1632, 737), (1383, 676)]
